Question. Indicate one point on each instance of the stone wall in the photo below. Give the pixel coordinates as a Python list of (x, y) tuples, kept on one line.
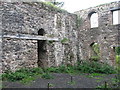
[(37, 35), (28, 18), (106, 34)]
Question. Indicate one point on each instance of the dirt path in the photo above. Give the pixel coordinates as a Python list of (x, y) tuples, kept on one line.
[(63, 81)]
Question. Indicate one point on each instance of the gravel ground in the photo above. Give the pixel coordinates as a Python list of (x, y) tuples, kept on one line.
[(63, 81)]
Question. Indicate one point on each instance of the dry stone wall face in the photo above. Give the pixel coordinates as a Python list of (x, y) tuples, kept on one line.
[(60, 40), (106, 34), (28, 19)]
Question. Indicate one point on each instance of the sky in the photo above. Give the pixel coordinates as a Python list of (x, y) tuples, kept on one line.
[(76, 5)]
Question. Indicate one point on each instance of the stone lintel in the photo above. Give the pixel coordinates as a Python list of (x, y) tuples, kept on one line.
[(30, 37)]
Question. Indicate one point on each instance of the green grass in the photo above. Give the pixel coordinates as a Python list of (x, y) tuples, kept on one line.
[(47, 76), (25, 75), (72, 83)]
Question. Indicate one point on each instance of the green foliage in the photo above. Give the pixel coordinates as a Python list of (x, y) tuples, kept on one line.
[(72, 83), (51, 85), (95, 67), (117, 50), (94, 58), (117, 59), (50, 4), (50, 42), (58, 4), (55, 5), (47, 76), (14, 76), (96, 48), (64, 40), (79, 21), (24, 75), (113, 84), (62, 69), (84, 67)]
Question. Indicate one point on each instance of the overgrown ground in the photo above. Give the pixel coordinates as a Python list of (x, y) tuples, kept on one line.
[(82, 75)]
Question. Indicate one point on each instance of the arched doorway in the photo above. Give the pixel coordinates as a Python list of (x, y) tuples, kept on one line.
[(42, 56)]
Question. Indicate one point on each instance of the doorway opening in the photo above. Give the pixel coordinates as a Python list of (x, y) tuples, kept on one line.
[(95, 51), (42, 56)]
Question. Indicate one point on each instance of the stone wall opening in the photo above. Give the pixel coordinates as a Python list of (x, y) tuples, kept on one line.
[(116, 19), (95, 51), (41, 50), (93, 19)]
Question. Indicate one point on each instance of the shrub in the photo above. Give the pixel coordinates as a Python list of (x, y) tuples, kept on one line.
[(84, 67), (22, 74), (95, 67), (14, 76)]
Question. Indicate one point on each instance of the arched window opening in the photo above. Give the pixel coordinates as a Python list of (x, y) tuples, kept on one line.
[(116, 17), (94, 20)]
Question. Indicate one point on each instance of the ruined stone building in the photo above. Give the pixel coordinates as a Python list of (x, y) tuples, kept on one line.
[(35, 34)]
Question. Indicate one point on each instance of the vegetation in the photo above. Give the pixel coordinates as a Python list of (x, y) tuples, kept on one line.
[(58, 4), (117, 57), (84, 67), (117, 50), (114, 84), (95, 58), (96, 49), (64, 40), (25, 75), (79, 21), (47, 76)]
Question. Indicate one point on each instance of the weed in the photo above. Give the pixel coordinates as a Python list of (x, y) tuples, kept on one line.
[(64, 40), (51, 85)]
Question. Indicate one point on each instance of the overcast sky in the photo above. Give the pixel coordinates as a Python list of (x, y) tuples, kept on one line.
[(76, 5)]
